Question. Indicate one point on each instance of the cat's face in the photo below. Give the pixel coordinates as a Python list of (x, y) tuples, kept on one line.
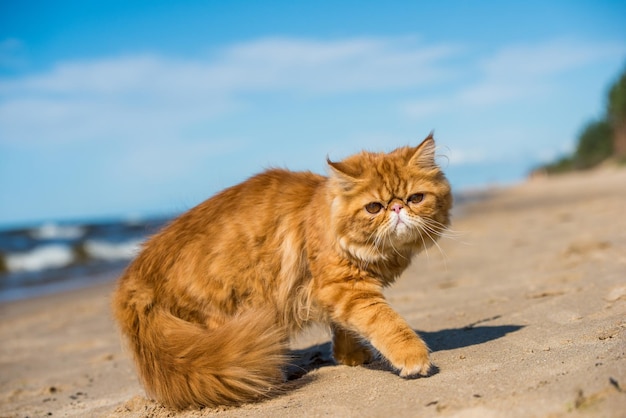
[(386, 203)]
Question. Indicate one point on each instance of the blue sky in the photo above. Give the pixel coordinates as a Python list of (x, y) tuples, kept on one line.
[(119, 108)]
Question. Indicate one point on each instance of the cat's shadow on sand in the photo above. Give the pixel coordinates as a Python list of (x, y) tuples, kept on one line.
[(320, 355)]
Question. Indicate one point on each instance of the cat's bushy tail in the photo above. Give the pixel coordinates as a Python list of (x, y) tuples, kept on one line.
[(183, 364)]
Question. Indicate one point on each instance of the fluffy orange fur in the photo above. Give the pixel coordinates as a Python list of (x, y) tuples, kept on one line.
[(209, 304)]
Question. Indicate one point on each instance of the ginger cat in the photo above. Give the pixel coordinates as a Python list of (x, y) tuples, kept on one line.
[(209, 304)]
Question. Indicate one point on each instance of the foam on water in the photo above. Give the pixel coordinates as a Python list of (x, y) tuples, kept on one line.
[(41, 258), (112, 251), (58, 255), (49, 231)]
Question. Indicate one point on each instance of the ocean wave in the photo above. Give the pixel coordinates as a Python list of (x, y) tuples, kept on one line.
[(55, 256), (62, 252), (108, 251), (40, 258), (52, 231)]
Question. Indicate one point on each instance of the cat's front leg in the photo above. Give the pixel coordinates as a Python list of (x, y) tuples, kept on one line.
[(364, 310), (348, 348)]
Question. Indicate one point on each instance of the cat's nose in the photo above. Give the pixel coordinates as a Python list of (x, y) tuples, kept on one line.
[(397, 207)]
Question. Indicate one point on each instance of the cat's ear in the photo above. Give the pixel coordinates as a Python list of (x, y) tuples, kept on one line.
[(345, 173), (424, 154)]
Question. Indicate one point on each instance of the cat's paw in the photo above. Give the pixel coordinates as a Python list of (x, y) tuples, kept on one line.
[(355, 357), (415, 364), (349, 349), (416, 370)]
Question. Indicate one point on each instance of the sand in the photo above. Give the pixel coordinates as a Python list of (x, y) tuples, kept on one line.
[(524, 308)]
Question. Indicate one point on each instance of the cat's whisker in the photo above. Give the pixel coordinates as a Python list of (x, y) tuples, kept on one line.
[(415, 230), (434, 241), (389, 235), (441, 227), (378, 242), (435, 225), (425, 226), (424, 246), (369, 242), (441, 231), (395, 249), (373, 244), (383, 235), (436, 222)]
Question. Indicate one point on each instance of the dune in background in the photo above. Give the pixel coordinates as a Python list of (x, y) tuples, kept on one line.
[(523, 307)]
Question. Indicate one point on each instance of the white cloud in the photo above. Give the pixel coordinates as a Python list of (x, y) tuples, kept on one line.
[(48, 120), (460, 156), (268, 64), (547, 59), (157, 101), (170, 161), (365, 64), (516, 72), (153, 96)]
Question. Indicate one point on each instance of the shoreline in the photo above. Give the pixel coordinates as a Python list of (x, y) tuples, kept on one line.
[(523, 309), (56, 282), (54, 287)]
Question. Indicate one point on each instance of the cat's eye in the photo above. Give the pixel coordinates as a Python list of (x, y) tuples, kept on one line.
[(416, 198), (373, 207)]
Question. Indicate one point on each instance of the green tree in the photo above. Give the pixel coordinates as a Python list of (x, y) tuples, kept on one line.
[(616, 106), (600, 139), (616, 114), (562, 165), (595, 145)]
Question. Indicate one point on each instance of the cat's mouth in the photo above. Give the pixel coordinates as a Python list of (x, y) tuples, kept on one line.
[(401, 229), (399, 226)]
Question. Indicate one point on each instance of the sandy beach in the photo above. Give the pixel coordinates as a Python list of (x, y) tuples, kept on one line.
[(523, 307)]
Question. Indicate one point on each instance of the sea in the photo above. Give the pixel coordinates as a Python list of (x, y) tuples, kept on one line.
[(56, 256)]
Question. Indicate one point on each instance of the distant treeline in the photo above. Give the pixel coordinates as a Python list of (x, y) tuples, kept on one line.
[(600, 140)]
